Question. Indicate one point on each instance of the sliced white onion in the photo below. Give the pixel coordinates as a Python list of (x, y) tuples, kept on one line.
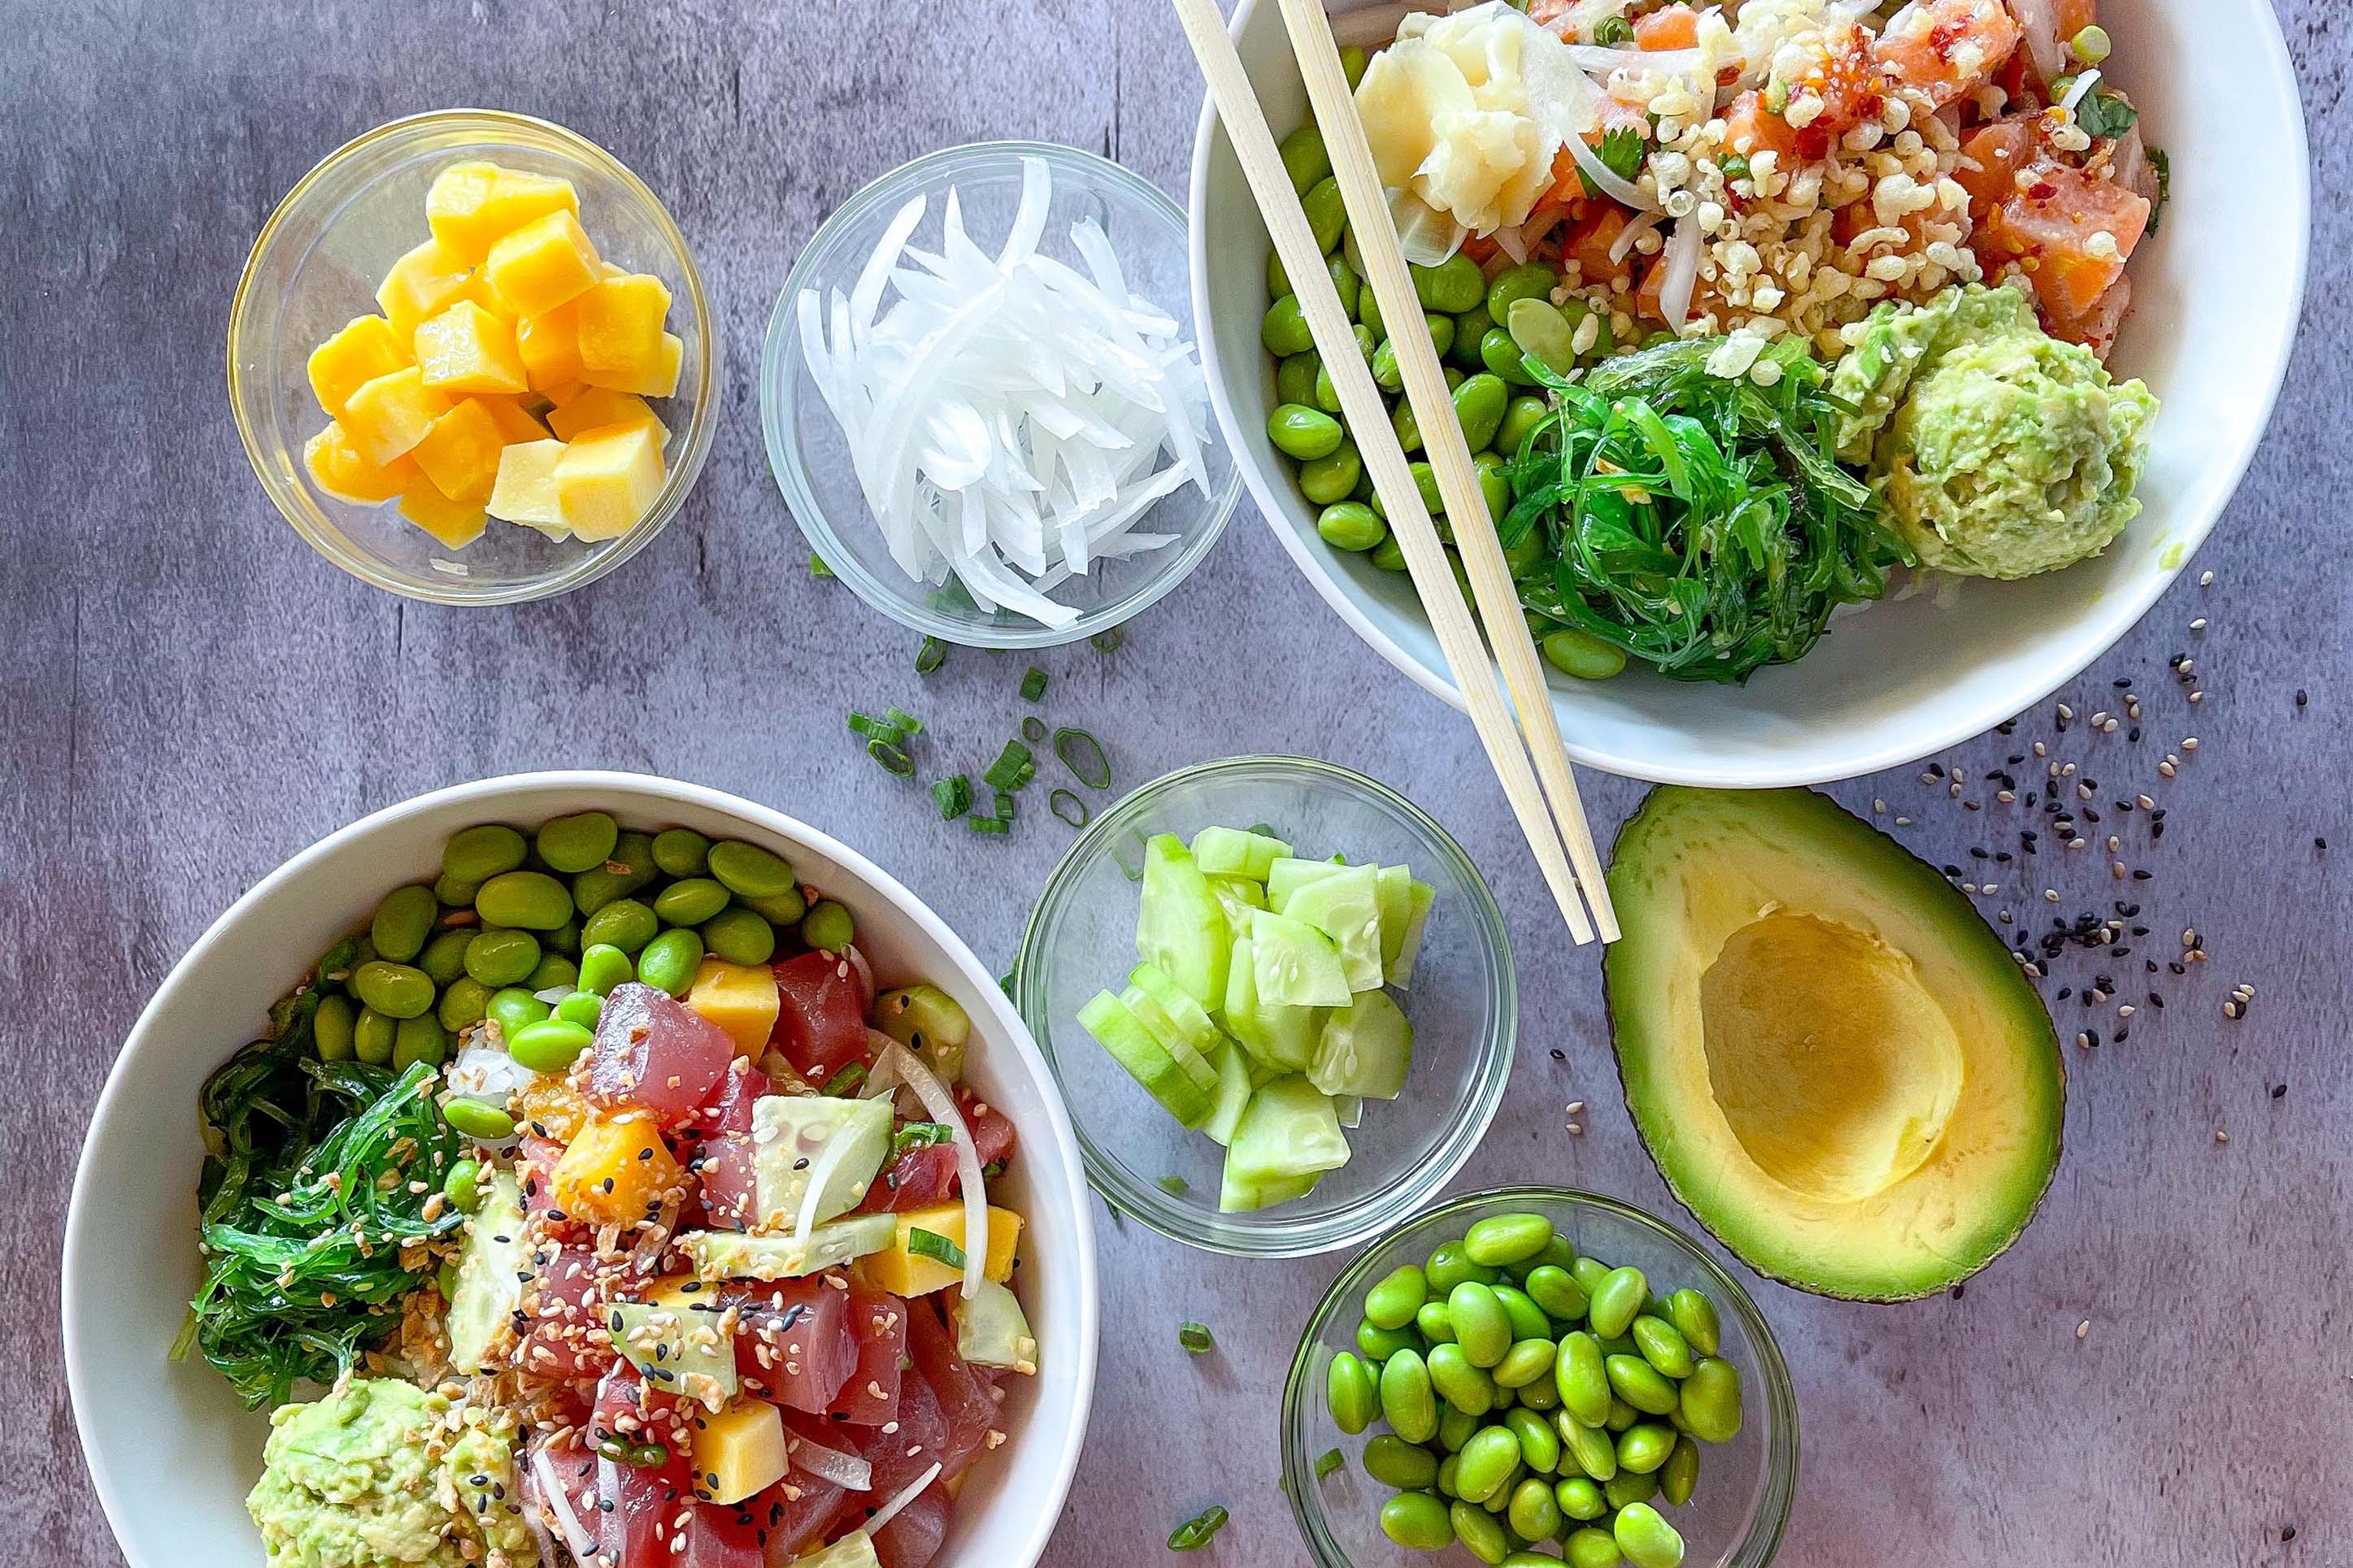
[(1605, 179), (847, 1471), (608, 1489), (576, 1538), (1630, 233), (865, 970), (2080, 91), (899, 1499), (1509, 242), (2039, 19), (821, 1172), (1682, 277), (654, 1239), (942, 1106)]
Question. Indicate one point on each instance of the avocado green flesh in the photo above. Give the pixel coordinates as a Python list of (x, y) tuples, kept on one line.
[(1835, 1062)]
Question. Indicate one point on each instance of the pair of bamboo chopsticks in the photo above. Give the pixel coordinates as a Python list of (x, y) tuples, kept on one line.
[(1385, 459)]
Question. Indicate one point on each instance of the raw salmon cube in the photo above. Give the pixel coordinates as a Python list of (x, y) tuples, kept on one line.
[(541, 265), (365, 348), (388, 416)]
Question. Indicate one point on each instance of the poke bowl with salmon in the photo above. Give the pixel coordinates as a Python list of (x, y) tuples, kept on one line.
[(1841, 376), (638, 1183)]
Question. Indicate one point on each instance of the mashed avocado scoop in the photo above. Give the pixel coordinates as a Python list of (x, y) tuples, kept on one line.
[(1997, 450)]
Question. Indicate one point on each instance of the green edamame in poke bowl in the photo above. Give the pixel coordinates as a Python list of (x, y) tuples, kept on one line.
[(639, 1180)]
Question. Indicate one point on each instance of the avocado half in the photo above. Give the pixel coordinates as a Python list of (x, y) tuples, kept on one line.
[(1834, 1061)]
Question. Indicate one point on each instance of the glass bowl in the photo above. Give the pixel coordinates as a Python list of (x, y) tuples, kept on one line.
[(1737, 1514), (316, 265), (1463, 1005), (810, 455)]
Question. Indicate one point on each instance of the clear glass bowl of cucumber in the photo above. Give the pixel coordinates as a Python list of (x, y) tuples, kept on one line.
[(1424, 1029), (1736, 1490)]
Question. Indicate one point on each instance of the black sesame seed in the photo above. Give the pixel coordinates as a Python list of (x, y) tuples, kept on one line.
[(2279, 1091)]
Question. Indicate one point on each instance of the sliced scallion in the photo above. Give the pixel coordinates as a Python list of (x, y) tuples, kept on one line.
[(906, 721), (882, 730), (817, 568), (1004, 807), (1195, 1337), (1108, 642), (920, 1135), (847, 1082), (1034, 731), (1069, 807), (1083, 755), (1012, 768), (954, 795), (930, 656), (993, 827), (893, 759), (935, 1246), (1033, 684), (1329, 1460)]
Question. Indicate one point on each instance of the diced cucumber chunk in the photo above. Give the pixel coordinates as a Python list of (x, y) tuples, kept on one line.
[(790, 1136), (1166, 1035), (1121, 1033), (1234, 852), (1392, 891), (1397, 958), (1346, 906), (730, 1255), (1237, 896), (1289, 1131), (993, 1331), (1293, 964), (1234, 1088), (1183, 1013), (1285, 877), (1349, 1109), (1243, 1197), (1366, 1049), (1179, 924), (685, 1347), (1280, 1038)]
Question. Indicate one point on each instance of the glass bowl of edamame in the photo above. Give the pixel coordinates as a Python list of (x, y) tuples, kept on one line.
[(1456, 1398), (1459, 998)]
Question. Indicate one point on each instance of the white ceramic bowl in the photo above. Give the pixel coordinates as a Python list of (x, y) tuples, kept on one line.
[(2216, 296), (173, 1452)]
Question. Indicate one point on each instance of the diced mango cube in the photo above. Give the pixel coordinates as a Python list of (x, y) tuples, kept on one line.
[(515, 423), (549, 1107), (621, 329), (467, 349), (608, 478), (739, 1451), (456, 523), (473, 205), (741, 998), (902, 1271), (525, 489), (343, 472), (390, 415), (563, 392), (596, 406), (657, 379), (365, 348), (615, 1171), (545, 263), (550, 345), (461, 452), (422, 283)]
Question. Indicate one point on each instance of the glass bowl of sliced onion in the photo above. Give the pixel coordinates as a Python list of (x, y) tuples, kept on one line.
[(983, 401)]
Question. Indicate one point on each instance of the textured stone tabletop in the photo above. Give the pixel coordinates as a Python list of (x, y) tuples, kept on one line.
[(187, 695)]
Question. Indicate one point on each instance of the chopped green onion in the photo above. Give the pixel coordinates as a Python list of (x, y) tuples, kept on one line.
[(1175, 1186), (1108, 642), (1033, 684), (2092, 45), (920, 1135), (893, 759), (1005, 982), (907, 721), (882, 729), (1006, 772), (993, 827), (1004, 807), (993, 1170), (1735, 167), (846, 1082), (1033, 730), (1329, 1460), (637, 1456), (1195, 1337), (1062, 803), (1083, 755), (930, 656), (1264, 830), (1613, 31), (954, 795), (1195, 1532), (935, 1246), (817, 568)]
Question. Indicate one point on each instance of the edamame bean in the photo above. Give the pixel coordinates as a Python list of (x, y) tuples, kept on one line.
[(1605, 342), (1386, 373), (1487, 1459), (740, 936), (690, 902), (1663, 1345), (1278, 281), (1294, 378), (419, 1040), (462, 1185), (1553, 1288), (627, 869), (548, 1045), (443, 958), (474, 1119), (1469, 327), (681, 852), (1459, 1383), (1694, 1315), (1378, 1344), (1479, 1326), (827, 927), (1621, 1414), (1327, 213), (1588, 1448), (1621, 1295), (1591, 1548), (1299, 431), (669, 960), (395, 990), (451, 893), (330, 1028), (1284, 331), (533, 900), (582, 1007), (1303, 157), (464, 1002), (1454, 1429), (1394, 1462), (1625, 1488), (570, 844), (553, 973), (1435, 1324), (1397, 1296), (1500, 355), (1478, 406), (514, 1010), (1368, 306), (1527, 1361), (1542, 332), (1638, 1383), (1711, 1400), (787, 907), (1352, 1394), (1323, 393), (1541, 1395), (1450, 1265), (404, 922), (1582, 655), (1442, 332), (624, 923), (475, 855), (373, 1035), (1481, 1534), (1520, 416), (1353, 60), (498, 957), (1528, 280), (1583, 1379), (1579, 1497), (1648, 1540), (1533, 1514), (749, 871), (1407, 425), (1408, 1402), (1417, 1520), (1679, 1475), (1495, 494), (1588, 1273), (1644, 1446), (1388, 555), (1331, 478), (1539, 1445), (1454, 285), (1527, 1320), (603, 966), (1344, 283)]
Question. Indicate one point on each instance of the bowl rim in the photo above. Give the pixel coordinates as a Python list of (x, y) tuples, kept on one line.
[(1763, 1539), (83, 1361), (1262, 1234), (293, 499), (780, 409), (2117, 614)]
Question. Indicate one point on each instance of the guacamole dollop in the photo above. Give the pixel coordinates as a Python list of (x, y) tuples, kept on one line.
[(380, 1473), (1997, 450)]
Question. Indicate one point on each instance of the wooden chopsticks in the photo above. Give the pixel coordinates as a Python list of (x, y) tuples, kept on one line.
[(1385, 459)]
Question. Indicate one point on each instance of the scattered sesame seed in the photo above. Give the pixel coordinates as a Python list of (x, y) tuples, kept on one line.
[(2206, 579), (2084, 1328)]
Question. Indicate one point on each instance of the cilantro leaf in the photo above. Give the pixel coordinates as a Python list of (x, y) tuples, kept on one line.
[(2163, 165), (1621, 151), (2104, 114)]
